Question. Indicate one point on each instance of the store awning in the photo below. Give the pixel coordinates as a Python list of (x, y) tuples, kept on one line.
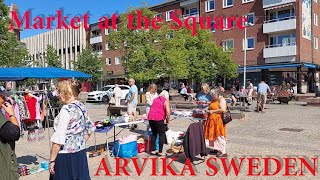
[(20, 73), (248, 68), (311, 66), (277, 7)]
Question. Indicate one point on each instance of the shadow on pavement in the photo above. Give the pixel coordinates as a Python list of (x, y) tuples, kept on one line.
[(28, 160)]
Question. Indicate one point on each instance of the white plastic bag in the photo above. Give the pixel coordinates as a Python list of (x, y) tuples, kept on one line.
[(172, 135)]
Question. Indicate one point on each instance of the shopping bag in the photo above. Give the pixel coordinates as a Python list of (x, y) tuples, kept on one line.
[(173, 135), (127, 150), (149, 141)]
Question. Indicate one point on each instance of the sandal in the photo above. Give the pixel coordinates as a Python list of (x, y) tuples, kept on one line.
[(153, 153)]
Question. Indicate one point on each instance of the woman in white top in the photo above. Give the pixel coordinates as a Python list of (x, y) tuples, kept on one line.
[(150, 96), (250, 88), (72, 129)]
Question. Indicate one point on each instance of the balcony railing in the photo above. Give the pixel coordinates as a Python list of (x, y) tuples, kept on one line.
[(272, 3), (280, 45), (196, 15), (190, 14), (279, 19)]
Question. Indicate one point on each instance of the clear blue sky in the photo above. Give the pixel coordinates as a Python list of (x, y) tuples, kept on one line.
[(97, 8)]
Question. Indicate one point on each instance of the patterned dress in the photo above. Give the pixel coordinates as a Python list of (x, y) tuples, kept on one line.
[(214, 126), (70, 126)]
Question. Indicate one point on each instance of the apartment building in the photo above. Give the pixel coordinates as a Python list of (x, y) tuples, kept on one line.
[(16, 30), (282, 38), (113, 70), (67, 42)]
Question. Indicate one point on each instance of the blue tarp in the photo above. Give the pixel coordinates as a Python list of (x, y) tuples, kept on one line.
[(20, 73)]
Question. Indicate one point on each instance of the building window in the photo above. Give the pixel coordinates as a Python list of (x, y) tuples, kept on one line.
[(191, 11), (246, 1), (250, 18), (108, 46), (250, 43), (227, 3), (212, 26), (227, 25), (315, 19), (107, 31), (108, 61), (117, 61), (228, 45), (158, 16), (169, 15), (210, 5), (315, 43)]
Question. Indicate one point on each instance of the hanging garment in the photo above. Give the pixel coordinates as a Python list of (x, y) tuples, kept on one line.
[(194, 143), (31, 104), (38, 115), (23, 110)]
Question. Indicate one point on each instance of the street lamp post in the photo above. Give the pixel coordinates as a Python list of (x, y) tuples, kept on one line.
[(245, 54)]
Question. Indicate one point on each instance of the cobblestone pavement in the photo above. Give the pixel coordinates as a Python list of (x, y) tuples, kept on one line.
[(258, 135)]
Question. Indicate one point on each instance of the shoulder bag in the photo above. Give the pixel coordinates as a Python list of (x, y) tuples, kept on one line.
[(226, 116)]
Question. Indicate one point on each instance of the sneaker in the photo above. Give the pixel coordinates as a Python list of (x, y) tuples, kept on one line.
[(214, 152), (222, 155), (162, 154)]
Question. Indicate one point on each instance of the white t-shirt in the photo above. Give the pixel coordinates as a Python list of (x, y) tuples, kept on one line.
[(117, 92)]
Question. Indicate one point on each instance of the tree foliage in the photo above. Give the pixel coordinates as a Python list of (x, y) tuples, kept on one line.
[(151, 53), (12, 52), (52, 59), (89, 62)]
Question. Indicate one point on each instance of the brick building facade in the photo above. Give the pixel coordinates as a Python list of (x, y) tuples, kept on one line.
[(282, 38)]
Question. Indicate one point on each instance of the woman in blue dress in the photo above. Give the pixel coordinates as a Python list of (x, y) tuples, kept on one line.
[(203, 98)]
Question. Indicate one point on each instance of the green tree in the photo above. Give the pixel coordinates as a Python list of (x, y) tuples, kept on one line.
[(207, 60), (52, 59), (150, 53), (12, 52), (89, 62)]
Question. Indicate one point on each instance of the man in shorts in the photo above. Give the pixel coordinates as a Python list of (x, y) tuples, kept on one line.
[(263, 90), (132, 98)]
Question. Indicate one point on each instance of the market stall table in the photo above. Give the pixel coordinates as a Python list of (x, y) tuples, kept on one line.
[(113, 126), (102, 130)]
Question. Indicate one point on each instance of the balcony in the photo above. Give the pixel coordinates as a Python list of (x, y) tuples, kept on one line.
[(280, 50), (188, 3), (95, 40), (278, 25), (271, 3), (185, 16)]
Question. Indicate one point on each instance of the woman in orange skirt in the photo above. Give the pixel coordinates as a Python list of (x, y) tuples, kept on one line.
[(215, 130)]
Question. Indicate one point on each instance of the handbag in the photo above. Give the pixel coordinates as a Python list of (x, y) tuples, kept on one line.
[(226, 117)]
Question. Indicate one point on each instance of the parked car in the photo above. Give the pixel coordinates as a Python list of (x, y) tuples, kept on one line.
[(104, 94)]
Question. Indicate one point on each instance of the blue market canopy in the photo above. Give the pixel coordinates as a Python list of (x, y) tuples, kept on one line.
[(275, 66), (20, 73)]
